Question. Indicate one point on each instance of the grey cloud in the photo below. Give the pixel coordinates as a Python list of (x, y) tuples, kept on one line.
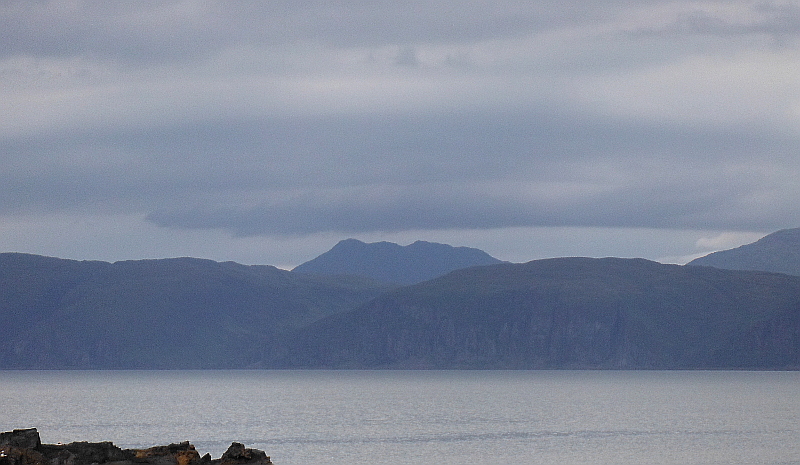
[(375, 208), (209, 148), (145, 168), (452, 206), (407, 57), (778, 20), (176, 30), (115, 30)]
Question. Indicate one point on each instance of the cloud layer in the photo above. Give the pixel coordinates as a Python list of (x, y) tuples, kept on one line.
[(291, 120)]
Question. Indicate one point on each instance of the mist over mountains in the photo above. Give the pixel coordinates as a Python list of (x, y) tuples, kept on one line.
[(778, 252), (331, 312)]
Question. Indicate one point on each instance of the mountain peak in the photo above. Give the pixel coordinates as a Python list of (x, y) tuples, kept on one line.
[(790, 236), (778, 252), (390, 262)]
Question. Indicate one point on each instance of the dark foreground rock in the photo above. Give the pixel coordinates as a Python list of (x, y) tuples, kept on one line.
[(23, 447)]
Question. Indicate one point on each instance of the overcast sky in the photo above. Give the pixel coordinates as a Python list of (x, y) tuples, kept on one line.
[(264, 132)]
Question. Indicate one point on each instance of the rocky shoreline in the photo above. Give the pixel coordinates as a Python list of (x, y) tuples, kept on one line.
[(24, 447)]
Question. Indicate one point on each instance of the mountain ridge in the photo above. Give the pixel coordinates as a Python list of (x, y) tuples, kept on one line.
[(390, 262), (161, 313), (561, 313), (578, 313), (778, 252)]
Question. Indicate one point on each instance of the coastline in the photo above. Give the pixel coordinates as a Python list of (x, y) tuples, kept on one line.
[(24, 447)]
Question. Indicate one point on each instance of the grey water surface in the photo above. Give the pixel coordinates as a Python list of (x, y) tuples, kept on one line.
[(423, 417)]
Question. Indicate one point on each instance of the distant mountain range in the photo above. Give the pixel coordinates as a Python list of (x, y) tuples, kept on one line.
[(778, 252), (567, 313), (389, 262), (558, 313), (171, 313)]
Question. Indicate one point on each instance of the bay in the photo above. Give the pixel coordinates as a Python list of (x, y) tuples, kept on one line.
[(423, 417)]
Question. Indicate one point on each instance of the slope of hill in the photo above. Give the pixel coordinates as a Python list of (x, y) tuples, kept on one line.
[(778, 252), (567, 313), (556, 313), (389, 262), (171, 313)]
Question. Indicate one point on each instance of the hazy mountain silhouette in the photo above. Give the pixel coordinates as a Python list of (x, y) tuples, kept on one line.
[(170, 313), (567, 313), (389, 262), (557, 313), (778, 252)]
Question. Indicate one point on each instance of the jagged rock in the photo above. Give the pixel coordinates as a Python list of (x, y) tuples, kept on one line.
[(238, 454), (12, 455), (24, 447), (24, 438), (173, 454), (76, 453)]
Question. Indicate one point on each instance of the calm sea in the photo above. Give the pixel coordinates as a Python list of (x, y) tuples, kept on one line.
[(423, 417)]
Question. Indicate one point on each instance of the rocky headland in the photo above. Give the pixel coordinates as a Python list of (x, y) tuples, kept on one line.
[(24, 447)]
